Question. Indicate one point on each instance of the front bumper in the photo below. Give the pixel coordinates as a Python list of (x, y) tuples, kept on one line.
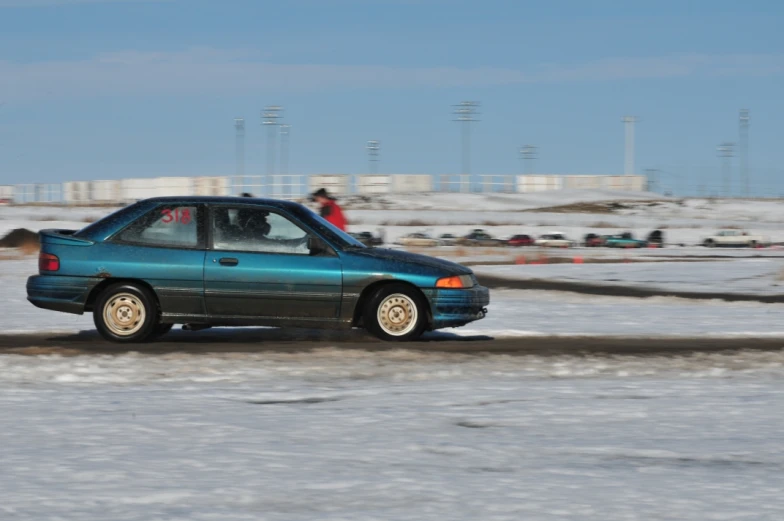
[(59, 293), (456, 307)]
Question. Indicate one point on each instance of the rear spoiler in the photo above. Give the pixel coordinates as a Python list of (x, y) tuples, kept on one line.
[(63, 237)]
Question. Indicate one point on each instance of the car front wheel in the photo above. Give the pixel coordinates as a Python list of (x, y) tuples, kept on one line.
[(126, 313), (396, 313)]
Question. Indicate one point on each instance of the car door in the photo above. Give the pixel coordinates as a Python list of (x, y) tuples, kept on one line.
[(259, 265)]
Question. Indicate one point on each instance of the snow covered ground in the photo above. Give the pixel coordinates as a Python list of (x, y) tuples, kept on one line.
[(339, 435), (352, 435), (40, 217), (476, 202)]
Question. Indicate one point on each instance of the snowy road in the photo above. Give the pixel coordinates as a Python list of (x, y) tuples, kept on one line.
[(335, 434)]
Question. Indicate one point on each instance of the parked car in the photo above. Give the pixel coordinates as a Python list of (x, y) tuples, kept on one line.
[(736, 238), (417, 239), (520, 240), (447, 239), (624, 240), (479, 237), (592, 240), (554, 240), (656, 238), (367, 238), (230, 261)]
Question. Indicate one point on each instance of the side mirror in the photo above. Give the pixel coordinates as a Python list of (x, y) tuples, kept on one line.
[(316, 245)]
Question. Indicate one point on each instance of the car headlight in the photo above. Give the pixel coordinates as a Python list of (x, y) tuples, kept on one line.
[(456, 282)]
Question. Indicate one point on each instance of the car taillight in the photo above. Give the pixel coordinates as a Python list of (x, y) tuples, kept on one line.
[(48, 262)]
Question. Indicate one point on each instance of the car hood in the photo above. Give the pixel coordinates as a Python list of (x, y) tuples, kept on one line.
[(412, 258)]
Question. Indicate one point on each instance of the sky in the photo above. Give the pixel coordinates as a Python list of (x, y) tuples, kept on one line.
[(107, 89)]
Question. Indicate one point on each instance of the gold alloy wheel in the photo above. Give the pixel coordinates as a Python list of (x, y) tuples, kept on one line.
[(124, 314), (397, 314)]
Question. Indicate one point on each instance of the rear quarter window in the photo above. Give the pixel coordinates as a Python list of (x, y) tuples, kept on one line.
[(170, 225)]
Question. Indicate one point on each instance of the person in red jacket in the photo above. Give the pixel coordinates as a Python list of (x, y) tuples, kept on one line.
[(330, 210)]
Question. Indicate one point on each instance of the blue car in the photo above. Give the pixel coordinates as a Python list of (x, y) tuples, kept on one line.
[(230, 261)]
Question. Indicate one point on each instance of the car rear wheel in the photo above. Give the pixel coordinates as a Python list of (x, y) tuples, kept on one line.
[(126, 313), (709, 243), (396, 313)]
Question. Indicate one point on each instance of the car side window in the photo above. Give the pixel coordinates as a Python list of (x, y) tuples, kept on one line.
[(170, 225), (256, 230)]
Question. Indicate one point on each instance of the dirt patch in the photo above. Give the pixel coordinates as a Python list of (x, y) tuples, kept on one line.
[(254, 341), (604, 207), (21, 238), (603, 224), (501, 223), (587, 288), (412, 222), (578, 259)]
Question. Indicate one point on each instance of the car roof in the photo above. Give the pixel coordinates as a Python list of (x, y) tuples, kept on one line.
[(209, 199)]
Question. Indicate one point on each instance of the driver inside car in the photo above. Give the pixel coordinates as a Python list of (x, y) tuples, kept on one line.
[(255, 233), (253, 224)]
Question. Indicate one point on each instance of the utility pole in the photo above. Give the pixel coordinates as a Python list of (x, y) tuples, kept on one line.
[(269, 118), (239, 149), (652, 175), (466, 112), (628, 168), (373, 148), (284, 158), (725, 152), (743, 148), (528, 154)]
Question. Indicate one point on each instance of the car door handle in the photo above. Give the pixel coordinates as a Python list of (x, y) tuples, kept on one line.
[(229, 261)]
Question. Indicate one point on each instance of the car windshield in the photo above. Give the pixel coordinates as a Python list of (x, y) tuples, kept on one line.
[(327, 229)]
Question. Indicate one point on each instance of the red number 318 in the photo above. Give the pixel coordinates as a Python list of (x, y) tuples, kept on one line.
[(176, 216)]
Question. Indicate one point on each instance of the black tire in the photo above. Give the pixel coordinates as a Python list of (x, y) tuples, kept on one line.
[(400, 300), (126, 313), (709, 243)]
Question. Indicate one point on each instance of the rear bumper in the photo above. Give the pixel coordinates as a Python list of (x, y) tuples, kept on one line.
[(59, 293), (456, 307)]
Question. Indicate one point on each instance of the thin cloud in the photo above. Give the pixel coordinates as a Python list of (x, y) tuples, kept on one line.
[(205, 71)]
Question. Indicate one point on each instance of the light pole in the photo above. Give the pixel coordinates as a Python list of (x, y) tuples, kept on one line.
[(284, 158), (528, 154), (269, 118), (239, 149), (628, 163), (373, 148), (466, 112), (743, 152), (725, 152)]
